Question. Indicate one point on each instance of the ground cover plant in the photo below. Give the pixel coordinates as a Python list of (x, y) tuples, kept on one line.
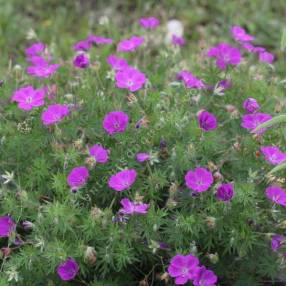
[(139, 151)]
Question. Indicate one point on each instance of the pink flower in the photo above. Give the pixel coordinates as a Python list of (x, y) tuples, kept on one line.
[(190, 80), (240, 35), (130, 78), (273, 155), (207, 121), (115, 122), (225, 55), (251, 105), (225, 192), (178, 41), (7, 226), (130, 207), (205, 277), (251, 121), (35, 49), (54, 114), (117, 63), (149, 23), (276, 195), (142, 157), (252, 49), (130, 45), (68, 269), (183, 268), (92, 39), (99, 153), (84, 45), (44, 69), (77, 177), (28, 97), (123, 180), (199, 180), (266, 57), (81, 61)]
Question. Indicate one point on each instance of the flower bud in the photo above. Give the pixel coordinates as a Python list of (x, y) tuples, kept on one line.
[(213, 257)]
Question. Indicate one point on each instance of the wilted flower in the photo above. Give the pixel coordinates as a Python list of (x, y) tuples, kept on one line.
[(251, 105), (28, 97), (251, 121), (117, 63), (199, 180), (130, 45), (77, 177), (130, 207), (54, 114), (142, 157), (207, 121), (240, 35), (225, 192), (81, 61), (68, 269), (178, 41), (130, 78), (123, 180), (99, 153), (205, 277), (90, 255), (273, 155), (277, 241), (276, 195), (225, 55), (115, 122), (149, 23), (7, 226)]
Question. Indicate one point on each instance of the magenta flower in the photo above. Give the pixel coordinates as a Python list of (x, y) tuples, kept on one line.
[(178, 41), (130, 207), (276, 194), (149, 23), (77, 177), (224, 84), (130, 45), (99, 153), (55, 113), (276, 241), (273, 155), (183, 268), (68, 269), (122, 180), (240, 35), (251, 121), (251, 105), (117, 63), (35, 49), (225, 192), (190, 80), (28, 97), (92, 39), (7, 226), (199, 180), (44, 69), (252, 49), (205, 277), (142, 157), (207, 121), (225, 55), (130, 78), (115, 122), (81, 61), (266, 57), (84, 45)]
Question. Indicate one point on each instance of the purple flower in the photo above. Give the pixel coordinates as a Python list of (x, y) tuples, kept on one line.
[(252, 49), (251, 105), (99, 153), (276, 195), (77, 177), (130, 45), (122, 180), (142, 157), (224, 84), (205, 277), (7, 226), (149, 23), (277, 241), (84, 45), (117, 63), (130, 207), (99, 40), (225, 55), (190, 80), (199, 180), (81, 61), (54, 114), (115, 122), (183, 268), (178, 41), (273, 155), (28, 97), (251, 121), (42, 69), (68, 269), (266, 57), (130, 78), (35, 49), (207, 121), (240, 35), (225, 192)]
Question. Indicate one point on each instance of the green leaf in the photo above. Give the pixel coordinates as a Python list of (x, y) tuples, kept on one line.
[(278, 168), (283, 40), (274, 121)]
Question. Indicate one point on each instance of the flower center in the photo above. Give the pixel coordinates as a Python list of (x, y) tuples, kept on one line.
[(129, 82), (29, 99)]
